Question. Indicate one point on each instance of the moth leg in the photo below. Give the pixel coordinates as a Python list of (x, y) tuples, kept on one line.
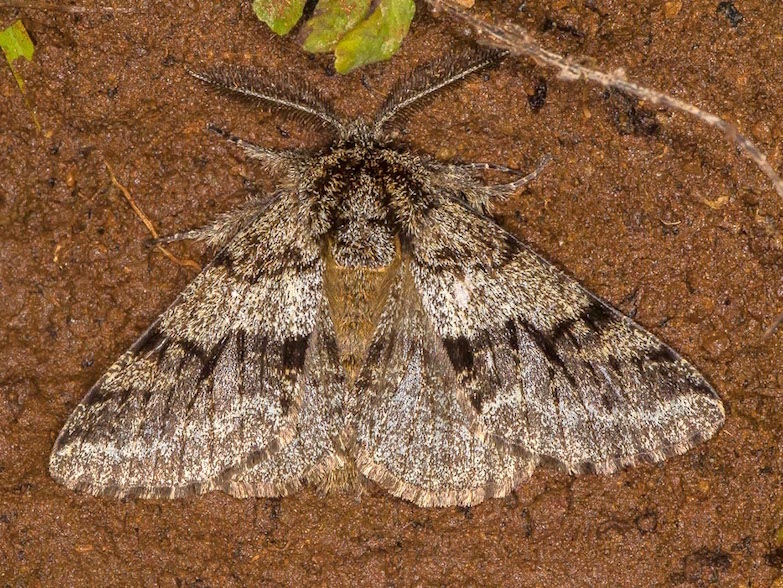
[(225, 227), (525, 180), (460, 181), (484, 166), (190, 235), (272, 159), (505, 190)]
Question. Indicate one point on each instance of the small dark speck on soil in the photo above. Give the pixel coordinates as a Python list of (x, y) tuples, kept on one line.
[(538, 98), (730, 11), (774, 558)]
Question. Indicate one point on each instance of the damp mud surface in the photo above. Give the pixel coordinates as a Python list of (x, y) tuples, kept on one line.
[(648, 208)]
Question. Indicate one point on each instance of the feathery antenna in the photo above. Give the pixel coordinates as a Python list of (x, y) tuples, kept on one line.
[(431, 78), (272, 91)]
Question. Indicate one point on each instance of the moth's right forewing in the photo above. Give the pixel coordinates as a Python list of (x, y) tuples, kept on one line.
[(544, 366), (215, 384)]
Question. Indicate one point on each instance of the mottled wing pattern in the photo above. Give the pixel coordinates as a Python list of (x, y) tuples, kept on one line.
[(312, 452), (410, 434), (541, 364), (216, 383)]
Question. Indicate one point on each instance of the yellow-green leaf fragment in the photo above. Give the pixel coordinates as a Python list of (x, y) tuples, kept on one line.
[(377, 37), (16, 43), (330, 21), (279, 15)]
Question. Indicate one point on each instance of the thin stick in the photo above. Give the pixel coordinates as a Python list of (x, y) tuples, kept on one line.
[(518, 41), (773, 327), (62, 8), (148, 223)]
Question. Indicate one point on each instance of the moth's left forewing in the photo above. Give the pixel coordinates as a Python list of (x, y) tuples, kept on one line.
[(543, 365), (215, 386), (314, 449)]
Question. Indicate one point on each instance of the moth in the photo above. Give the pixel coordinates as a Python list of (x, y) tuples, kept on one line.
[(370, 316)]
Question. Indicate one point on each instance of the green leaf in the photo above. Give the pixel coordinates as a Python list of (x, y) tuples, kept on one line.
[(16, 43), (331, 20), (279, 15), (376, 38)]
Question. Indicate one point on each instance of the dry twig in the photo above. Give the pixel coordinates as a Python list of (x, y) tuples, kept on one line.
[(148, 223), (518, 41), (773, 327)]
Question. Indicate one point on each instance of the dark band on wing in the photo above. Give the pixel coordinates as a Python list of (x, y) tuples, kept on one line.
[(662, 355), (547, 346), (153, 343), (210, 361), (460, 353), (596, 317), (291, 257), (294, 350)]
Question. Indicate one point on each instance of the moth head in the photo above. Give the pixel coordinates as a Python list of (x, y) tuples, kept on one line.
[(360, 133)]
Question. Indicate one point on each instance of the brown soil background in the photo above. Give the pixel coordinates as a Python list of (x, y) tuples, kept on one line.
[(671, 225)]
